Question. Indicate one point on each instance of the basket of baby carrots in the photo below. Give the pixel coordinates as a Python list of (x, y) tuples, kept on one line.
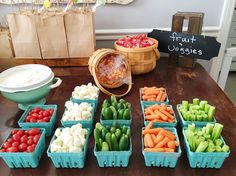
[(160, 146), (151, 95), (161, 115)]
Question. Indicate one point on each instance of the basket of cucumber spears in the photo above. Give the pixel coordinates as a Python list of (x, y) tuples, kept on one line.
[(113, 145), (116, 110)]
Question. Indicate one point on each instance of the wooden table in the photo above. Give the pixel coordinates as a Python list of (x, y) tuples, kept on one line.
[(181, 83)]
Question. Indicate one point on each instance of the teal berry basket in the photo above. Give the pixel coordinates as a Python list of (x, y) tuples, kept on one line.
[(151, 102), (119, 121), (86, 100), (113, 158), (25, 159), (204, 159), (159, 124), (185, 123), (48, 126), (162, 159), (85, 123), (68, 159)]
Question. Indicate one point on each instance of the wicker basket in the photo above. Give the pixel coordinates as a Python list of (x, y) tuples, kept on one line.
[(141, 60), (93, 63)]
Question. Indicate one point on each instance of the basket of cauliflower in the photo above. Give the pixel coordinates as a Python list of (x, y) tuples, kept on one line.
[(82, 112), (68, 147)]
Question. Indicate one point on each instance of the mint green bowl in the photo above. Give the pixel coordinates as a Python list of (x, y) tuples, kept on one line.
[(27, 84)]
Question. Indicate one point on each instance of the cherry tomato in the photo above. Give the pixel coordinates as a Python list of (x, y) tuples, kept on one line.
[(20, 132), (37, 110), (46, 119), (22, 147), (27, 132), (3, 150), (27, 119), (16, 137), (31, 137), (41, 120), (30, 141), (10, 140), (31, 112), (51, 111), (46, 113), (12, 149), (40, 116), (15, 144), (41, 112), (36, 138), (24, 139), (30, 148), (6, 145), (14, 132), (35, 115), (33, 119), (34, 131)]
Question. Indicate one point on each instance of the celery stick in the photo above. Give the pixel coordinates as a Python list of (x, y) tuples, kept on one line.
[(210, 148), (218, 149), (209, 128), (191, 141), (193, 117), (207, 107), (205, 117), (202, 146), (202, 104), (196, 101), (199, 117), (211, 113), (185, 105), (218, 142), (196, 107), (191, 127), (199, 140), (207, 136), (217, 131), (225, 148)]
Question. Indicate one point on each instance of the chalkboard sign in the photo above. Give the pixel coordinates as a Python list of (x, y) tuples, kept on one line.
[(196, 46)]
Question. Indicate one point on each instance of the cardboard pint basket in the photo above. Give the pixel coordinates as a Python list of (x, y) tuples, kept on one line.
[(24, 35), (6, 51), (52, 35), (110, 69), (80, 32)]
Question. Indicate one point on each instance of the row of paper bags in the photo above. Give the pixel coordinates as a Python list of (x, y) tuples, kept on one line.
[(54, 34), (6, 50)]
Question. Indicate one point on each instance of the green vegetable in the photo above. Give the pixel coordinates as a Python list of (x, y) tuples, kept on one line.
[(99, 126), (114, 104), (126, 114), (122, 101), (118, 134), (211, 113), (207, 107), (199, 140), (108, 140), (114, 143), (202, 146), (191, 127), (106, 101), (113, 129), (128, 132), (185, 105), (105, 146), (123, 143), (107, 113), (124, 129), (127, 105), (120, 113), (203, 104), (114, 112), (104, 132), (196, 101), (120, 106), (218, 142), (217, 131), (97, 134), (99, 144), (116, 124), (211, 147), (191, 140), (225, 148), (105, 105), (209, 128), (218, 149), (113, 99), (199, 117)]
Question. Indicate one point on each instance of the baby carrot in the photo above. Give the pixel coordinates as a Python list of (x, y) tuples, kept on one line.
[(158, 98), (167, 134), (152, 92), (152, 131), (145, 141), (154, 150), (151, 117), (158, 139), (149, 126), (149, 140), (171, 144), (163, 116), (162, 143), (163, 97), (167, 114), (153, 137), (169, 150), (176, 143)]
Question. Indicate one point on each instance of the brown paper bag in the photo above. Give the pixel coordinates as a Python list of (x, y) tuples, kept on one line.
[(24, 35), (80, 32), (5, 45), (52, 35)]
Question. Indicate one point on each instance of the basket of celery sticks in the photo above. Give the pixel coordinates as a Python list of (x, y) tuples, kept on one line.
[(205, 146), (198, 112)]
